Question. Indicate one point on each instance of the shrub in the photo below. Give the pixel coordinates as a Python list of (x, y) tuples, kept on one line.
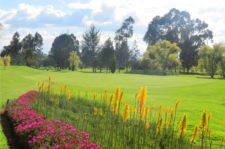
[(38, 132)]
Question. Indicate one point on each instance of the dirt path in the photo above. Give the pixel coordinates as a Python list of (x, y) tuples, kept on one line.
[(8, 131)]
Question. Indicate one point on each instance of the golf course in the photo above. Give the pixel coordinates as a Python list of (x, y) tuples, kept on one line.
[(196, 93)]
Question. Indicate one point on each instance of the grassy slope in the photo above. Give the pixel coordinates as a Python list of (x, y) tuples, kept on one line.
[(197, 93)]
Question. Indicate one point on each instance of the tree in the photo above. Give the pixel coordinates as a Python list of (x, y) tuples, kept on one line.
[(134, 56), (113, 64), (89, 47), (61, 48), (5, 60), (122, 55), (121, 39), (162, 56), (107, 53), (74, 60), (13, 49), (32, 49), (177, 26), (222, 59), (209, 58)]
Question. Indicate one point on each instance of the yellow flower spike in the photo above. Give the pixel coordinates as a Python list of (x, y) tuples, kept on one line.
[(134, 110), (121, 97), (169, 122), (144, 113), (177, 103), (111, 100), (115, 108), (160, 110), (183, 125), (100, 112), (142, 97), (94, 96), (95, 111), (117, 94), (147, 125), (104, 97), (204, 120), (126, 112), (167, 110), (194, 134), (68, 94), (172, 112), (159, 125)]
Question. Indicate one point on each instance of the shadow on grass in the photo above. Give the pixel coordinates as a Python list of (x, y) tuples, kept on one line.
[(209, 78)]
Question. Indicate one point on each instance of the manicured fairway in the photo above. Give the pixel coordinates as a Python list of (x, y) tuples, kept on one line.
[(197, 93)]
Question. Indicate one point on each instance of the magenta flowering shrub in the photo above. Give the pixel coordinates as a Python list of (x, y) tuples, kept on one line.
[(42, 133)]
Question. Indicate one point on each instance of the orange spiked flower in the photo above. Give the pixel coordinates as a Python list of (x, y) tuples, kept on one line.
[(104, 97), (194, 134), (117, 94), (183, 125), (110, 100), (177, 103), (126, 112), (94, 96), (142, 97), (204, 120), (147, 125)]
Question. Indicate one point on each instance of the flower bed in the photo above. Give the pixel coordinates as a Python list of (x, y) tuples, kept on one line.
[(37, 132)]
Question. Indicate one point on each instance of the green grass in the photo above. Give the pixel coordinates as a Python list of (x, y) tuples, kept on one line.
[(198, 93)]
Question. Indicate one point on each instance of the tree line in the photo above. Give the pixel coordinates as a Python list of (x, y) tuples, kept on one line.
[(175, 43)]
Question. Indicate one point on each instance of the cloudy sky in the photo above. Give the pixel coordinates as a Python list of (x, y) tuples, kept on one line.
[(54, 17)]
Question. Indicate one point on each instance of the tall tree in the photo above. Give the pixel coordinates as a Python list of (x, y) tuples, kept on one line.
[(177, 26), (162, 56), (107, 53), (32, 48), (89, 47), (209, 58), (74, 60), (222, 59), (134, 56), (61, 47), (121, 42), (13, 49)]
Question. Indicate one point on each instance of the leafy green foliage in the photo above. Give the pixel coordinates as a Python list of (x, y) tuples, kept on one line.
[(210, 58), (113, 64), (107, 53), (32, 49), (5, 60), (61, 47), (89, 47), (121, 38), (177, 26), (162, 56), (74, 60)]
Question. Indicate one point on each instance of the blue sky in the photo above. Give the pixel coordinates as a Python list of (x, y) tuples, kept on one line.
[(54, 17)]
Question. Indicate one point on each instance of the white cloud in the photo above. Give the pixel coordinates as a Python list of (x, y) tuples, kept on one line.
[(34, 11), (113, 12), (143, 11), (93, 5), (87, 22)]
